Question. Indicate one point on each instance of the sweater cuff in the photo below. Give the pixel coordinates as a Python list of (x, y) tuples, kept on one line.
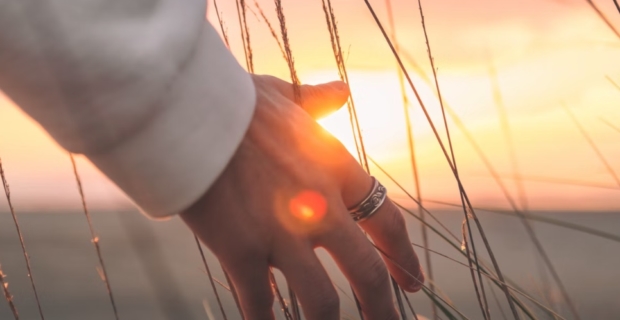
[(172, 161)]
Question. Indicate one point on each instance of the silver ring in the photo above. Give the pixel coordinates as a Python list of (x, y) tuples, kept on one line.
[(371, 203)]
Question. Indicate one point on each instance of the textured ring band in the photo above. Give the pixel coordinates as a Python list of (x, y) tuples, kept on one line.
[(371, 203)]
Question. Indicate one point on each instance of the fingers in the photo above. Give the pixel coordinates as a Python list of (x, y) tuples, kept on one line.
[(360, 263), (318, 100), (306, 276), (251, 281), (388, 231)]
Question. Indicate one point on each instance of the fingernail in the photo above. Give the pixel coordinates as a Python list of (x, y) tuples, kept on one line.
[(418, 283), (340, 86)]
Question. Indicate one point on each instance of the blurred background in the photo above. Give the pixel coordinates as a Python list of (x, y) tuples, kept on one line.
[(533, 88)]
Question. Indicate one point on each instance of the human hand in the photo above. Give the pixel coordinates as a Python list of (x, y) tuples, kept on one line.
[(286, 192)]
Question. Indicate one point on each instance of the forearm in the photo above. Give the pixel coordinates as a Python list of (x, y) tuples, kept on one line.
[(145, 89)]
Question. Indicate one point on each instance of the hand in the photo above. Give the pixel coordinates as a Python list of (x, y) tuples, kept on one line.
[(285, 193)]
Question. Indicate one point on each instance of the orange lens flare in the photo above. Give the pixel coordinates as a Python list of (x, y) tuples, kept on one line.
[(308, 206)]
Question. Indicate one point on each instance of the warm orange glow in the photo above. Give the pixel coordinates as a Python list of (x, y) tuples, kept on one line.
[(308, 206)]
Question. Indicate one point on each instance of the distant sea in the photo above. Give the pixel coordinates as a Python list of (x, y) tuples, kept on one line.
[(156, 272)]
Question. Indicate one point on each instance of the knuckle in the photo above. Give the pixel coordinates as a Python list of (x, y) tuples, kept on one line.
[(376, 277)]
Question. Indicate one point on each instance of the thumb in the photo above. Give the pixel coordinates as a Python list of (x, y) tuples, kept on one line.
[(318, 100), (324, 99)]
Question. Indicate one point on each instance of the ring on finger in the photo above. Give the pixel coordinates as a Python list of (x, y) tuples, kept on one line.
[(373, 201)]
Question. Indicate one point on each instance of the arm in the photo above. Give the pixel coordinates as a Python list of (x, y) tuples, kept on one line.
[(148, 92), (144, 88)]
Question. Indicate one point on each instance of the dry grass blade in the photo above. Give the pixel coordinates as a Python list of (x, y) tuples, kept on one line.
[(441, 235), (271, 29), (610, 125), (287, 50), (603, 17), (481, 267), (593, 145), (221, 22), (496, 299), (541, 218), (494, 279), (612, 82), (156, 268), (456, 175), (94, 237), (414, 199), (436, 296), (505, 125), (7, 193), (562, 181), (415, 315), (278, 294), (522, 215), (7, 295), (297, 94), (245, 35), (480, 293), (332, 27), (412, 156), (204, 262)]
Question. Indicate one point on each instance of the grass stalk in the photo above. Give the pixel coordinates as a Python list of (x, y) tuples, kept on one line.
[(593, 145), (479, 265), (232, 289), (456, 175), (221, 23), (541, 218), (617, 5), (480, 293), (490, 277), (613, 83), (496, 299), (522, 214), (413, 313), (569, 182), (7, 193), (278, 294), (245, 35), (506, 130), (269, 25), (7, 294), (94, 237), (412, 155), (298, 99), (156, 268), (332, 27), (206, 265), (603, 17), (611, 125)]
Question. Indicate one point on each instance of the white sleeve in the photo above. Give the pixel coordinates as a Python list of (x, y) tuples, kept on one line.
[(144, 88)]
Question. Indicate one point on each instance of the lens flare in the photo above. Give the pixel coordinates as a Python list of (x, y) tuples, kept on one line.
[(308, 206)]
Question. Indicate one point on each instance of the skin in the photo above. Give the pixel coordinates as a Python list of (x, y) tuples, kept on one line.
[(249, 219)]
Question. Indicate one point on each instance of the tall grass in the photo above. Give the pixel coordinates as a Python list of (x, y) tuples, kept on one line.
[(412, 156), (451, 163), (20, 235), (94, 237), (593, 146), (492, 276), (7, 294)]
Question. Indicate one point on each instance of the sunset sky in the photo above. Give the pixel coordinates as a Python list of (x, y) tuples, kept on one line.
[(547, 54)]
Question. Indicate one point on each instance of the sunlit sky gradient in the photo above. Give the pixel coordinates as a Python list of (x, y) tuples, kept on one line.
[(547, 53)]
